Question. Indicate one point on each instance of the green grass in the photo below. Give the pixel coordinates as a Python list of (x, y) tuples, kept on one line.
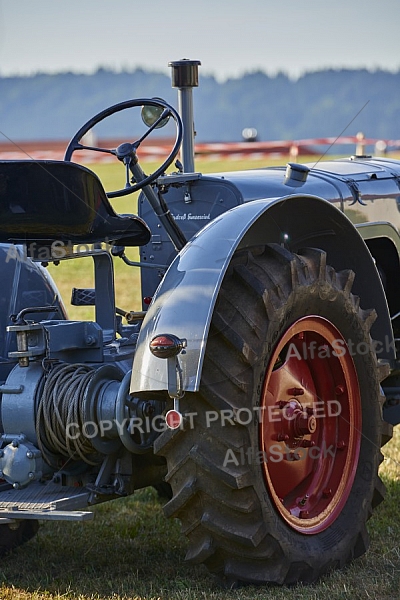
[(131, 552)]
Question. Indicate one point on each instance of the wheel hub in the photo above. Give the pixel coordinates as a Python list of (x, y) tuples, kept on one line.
[(297, 422), (311, 423)]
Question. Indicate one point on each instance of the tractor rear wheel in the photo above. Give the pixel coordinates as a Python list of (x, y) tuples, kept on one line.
[(276, 475)]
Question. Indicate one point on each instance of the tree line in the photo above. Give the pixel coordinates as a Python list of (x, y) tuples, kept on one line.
[(318, 104)]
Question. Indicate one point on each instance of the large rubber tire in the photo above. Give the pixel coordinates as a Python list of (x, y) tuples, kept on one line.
[(15, 534), (247, 516)]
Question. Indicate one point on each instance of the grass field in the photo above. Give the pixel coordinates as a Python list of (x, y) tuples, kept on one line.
[(130, 551)]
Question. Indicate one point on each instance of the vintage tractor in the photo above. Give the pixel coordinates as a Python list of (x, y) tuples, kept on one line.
[(258, 381)]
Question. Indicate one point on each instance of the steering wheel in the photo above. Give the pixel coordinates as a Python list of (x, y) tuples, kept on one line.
[(126, 152)]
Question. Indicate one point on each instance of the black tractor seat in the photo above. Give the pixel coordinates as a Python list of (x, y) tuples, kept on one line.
[(46, 201)]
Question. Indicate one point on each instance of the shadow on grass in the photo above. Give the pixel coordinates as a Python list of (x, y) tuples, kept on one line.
[(131, 551)]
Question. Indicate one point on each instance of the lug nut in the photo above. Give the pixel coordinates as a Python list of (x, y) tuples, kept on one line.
[(293, 456), (295, 391), (307, 443)]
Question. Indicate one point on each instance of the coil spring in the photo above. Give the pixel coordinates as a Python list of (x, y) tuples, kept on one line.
[(60, 408)]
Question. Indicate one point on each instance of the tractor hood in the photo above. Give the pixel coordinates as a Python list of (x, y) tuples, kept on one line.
[(365, 189), (333, 180)]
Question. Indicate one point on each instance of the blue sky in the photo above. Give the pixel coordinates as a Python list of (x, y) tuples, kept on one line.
[(230, 37)]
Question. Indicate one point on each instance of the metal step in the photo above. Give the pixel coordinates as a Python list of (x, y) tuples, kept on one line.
[(83, 297), (44, 501)]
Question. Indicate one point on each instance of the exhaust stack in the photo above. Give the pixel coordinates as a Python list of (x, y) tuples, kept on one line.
[(185, 76)]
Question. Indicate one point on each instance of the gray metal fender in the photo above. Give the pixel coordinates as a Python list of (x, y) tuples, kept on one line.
[(184, 302)]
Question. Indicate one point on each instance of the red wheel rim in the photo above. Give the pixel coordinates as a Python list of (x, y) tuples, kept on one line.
[(310, 424)]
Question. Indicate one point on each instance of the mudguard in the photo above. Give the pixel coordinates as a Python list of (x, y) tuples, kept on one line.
[(184, 302)]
